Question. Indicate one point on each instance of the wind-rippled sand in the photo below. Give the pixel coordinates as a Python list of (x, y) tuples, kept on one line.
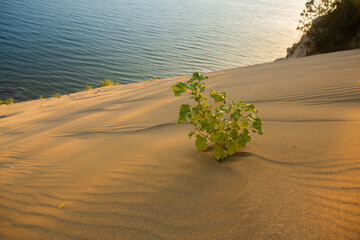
[(111, 163)]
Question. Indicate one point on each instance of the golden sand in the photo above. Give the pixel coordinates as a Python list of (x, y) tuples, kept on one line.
[(111, 163)]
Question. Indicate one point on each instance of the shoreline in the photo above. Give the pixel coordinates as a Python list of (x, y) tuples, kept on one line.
[(189, 75)]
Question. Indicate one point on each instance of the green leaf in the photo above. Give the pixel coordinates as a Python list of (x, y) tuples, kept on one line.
[(250, 107), (179, 88), (205, 126), (191, 134), (219, 136), (235, 115), (202, 77), (204, 105), (240, 141), (224, 108), (195, 111), (218, 96), (220, 153), (244, 124), (246, 135), (201, 88), (183, 113), (231, 147), (201, 143), (195, 76), (257, 126)]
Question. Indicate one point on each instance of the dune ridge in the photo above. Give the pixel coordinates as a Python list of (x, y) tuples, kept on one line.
[(111, 163)]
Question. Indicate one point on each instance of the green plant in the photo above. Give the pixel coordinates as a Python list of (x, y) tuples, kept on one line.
[(151, 79), (106, 82), (57, 95), (228, 126), (88, 87), (41, 97), (7, 101)]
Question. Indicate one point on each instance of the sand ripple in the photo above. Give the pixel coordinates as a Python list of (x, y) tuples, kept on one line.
[(111, 163)]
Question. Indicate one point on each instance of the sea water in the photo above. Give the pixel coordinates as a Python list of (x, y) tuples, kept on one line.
[(49, 46)]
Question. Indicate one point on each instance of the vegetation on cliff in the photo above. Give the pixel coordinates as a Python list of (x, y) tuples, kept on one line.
[(328, 26)]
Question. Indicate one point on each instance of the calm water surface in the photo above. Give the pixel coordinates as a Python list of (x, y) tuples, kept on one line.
[(61, 45)]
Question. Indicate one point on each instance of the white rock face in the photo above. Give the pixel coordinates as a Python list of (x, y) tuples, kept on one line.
[(300, 49), (303, 47)]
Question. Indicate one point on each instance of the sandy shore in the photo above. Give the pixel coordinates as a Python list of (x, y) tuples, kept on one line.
[(111, 163)]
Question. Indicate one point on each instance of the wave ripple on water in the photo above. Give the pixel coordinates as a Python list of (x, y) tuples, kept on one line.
[(59, 46)]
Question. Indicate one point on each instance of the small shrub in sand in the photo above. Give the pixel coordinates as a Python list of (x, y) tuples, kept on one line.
[(41, 97), (57, 95), (151, 79), (88, 87), (106, 82), (227, 125), (7, 101)]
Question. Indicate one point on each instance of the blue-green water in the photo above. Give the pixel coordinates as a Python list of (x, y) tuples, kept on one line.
[(61, 45)]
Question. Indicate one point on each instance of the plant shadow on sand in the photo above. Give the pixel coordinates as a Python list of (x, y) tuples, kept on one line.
[(237, 157), (234, 159)]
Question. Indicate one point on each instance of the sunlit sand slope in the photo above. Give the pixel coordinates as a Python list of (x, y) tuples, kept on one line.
[(111, 163)]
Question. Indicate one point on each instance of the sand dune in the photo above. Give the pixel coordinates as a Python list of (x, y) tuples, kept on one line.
[(119, 167)]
